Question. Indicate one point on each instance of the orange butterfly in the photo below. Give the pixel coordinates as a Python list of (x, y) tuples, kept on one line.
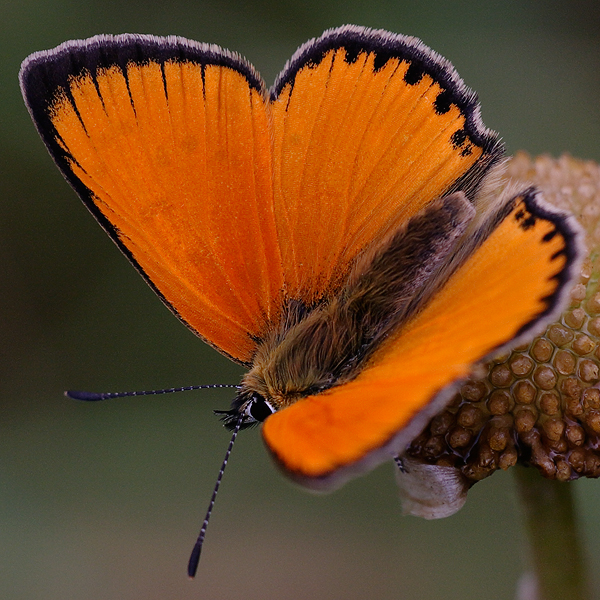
[(335, 234)]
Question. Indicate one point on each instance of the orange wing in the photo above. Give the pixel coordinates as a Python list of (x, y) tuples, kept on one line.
[(228, 203), (369, 128), (517, 277), (168, 143)]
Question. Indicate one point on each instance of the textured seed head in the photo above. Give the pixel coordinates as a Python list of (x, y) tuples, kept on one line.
[(538, 405)]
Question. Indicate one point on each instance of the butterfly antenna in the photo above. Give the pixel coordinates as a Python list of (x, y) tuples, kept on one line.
[(195, 555), (93, 397)]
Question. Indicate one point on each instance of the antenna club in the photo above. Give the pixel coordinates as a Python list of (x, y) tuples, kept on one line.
[(193, 562), (85, 396)]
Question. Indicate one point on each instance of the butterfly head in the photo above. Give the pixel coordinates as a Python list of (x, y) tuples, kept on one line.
[(252, 406)]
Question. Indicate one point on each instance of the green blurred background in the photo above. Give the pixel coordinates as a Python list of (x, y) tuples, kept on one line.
[(103, 501)]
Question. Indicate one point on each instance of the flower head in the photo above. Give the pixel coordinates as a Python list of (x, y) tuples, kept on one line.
[(538, 405)]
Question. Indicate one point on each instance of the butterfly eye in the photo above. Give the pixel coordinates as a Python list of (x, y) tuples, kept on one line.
[(259, 409)]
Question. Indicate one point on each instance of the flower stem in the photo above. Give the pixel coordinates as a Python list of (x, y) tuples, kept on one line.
[(556, 552)]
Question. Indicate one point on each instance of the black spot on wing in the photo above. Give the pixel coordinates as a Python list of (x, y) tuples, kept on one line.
[(460, 141), (380, 61), (413, 74), (352, 53), (559, 253), (458, 138), (525, 218), (443, 102), (528, 223)]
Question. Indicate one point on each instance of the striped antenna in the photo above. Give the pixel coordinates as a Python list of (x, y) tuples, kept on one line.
[(195, 555), (93, 397)]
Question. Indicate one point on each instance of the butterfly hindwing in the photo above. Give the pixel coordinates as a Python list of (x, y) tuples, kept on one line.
[(508, 286)]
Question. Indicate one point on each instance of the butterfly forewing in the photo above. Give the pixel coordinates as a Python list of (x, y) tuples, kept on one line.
[(168, 143), (369, 127)]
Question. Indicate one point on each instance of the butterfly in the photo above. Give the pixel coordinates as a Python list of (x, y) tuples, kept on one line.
[(338, 234)]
